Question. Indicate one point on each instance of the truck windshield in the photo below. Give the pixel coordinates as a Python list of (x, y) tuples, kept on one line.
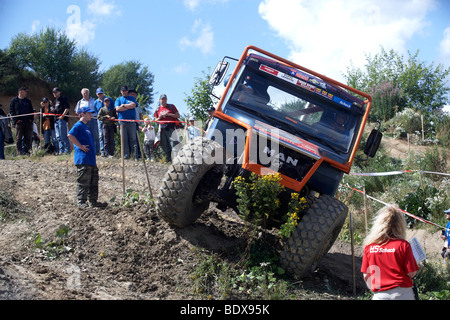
[(300, 110)]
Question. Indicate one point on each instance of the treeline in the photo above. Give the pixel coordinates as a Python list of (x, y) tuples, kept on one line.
[(408, 98), (51, 57), (408, 95)]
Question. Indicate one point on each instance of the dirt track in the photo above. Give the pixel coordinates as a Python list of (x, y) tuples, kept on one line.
[(115, 253)]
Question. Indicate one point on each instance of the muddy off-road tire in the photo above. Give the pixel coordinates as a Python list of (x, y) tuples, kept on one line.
[(195, 173), (313, 237)]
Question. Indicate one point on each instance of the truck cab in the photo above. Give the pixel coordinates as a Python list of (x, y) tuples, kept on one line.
[(292, 121)]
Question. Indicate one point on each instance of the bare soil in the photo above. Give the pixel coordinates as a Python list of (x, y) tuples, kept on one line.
[(125, 253)]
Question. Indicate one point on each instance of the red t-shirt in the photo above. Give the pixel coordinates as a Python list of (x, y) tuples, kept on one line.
[(169, 108), (388, 265)]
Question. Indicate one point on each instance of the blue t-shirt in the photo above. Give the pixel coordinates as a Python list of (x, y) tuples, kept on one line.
[(85, 137), (447, 233), (129, 114)]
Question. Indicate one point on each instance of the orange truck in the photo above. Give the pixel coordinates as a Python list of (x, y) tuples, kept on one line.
[(274, 116)]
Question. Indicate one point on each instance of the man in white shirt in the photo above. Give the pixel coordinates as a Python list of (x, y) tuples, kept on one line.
[(88, 101)]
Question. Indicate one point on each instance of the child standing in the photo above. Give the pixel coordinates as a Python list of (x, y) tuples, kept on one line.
[(85, 161), (107, 115), (149, 140)]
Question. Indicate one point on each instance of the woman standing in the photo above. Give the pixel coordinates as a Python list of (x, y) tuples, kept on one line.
[(48, 127), (388, 262)]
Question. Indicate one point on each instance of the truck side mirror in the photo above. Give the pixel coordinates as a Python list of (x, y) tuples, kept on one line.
[(219, 73), (373, 143)]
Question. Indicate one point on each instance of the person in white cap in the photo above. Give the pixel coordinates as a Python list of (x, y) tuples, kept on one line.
[(193, 131), (149, 138)]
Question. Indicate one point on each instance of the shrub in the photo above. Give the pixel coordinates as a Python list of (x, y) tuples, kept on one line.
[(258, 201), (407, 121), (296, 206), (415, 202), (431, 282), (258, 198)]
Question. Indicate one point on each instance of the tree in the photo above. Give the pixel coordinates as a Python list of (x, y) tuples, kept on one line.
[(200, 99), (422, 87), (9, 74), (132, 74), (85, 73), (52, 57), (48, 54)]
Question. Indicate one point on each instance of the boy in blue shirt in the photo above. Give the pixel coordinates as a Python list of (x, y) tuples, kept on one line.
[(85, 160)]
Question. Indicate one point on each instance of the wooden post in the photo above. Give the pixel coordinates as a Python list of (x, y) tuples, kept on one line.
[(186, 134), (123, 159), (423, 131), (365, 210), (143, 160), (40, 130), (421, 180), (353, 254), (409, 148)]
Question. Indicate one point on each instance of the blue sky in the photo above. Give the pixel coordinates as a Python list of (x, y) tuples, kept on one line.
[(178, 39)]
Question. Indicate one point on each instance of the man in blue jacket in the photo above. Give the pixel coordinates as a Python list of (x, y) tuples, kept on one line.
[(85, 160)]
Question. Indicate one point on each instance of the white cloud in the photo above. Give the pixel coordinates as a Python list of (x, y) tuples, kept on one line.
[(326, 36), (444, 46), (192, 5), (81, 33), (203, 38), (35, 25), (76, 29), (103, 8), (82, 30), (182, 68)]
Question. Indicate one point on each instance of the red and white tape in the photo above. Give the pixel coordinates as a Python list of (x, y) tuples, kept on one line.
[(391, 173), (387, 204)]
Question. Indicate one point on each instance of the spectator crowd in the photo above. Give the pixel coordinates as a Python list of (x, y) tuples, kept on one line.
[(108, 117)]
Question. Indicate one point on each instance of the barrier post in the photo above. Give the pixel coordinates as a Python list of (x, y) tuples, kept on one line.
[(365, 210), (143, 160), (40, 130), (123, 159), (353, 253)]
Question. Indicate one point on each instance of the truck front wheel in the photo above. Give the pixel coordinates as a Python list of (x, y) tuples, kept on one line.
[(186, 189), (313, 236)]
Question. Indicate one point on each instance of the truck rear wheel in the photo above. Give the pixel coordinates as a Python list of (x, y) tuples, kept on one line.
[(186, 188), (313, 236)]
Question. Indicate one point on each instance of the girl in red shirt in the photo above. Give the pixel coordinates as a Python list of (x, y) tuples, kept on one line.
[(388, 262)]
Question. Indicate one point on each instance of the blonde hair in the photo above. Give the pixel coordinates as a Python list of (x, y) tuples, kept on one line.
[(389, 223)]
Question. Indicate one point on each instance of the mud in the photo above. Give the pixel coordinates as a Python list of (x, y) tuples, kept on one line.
[(121, 252)]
